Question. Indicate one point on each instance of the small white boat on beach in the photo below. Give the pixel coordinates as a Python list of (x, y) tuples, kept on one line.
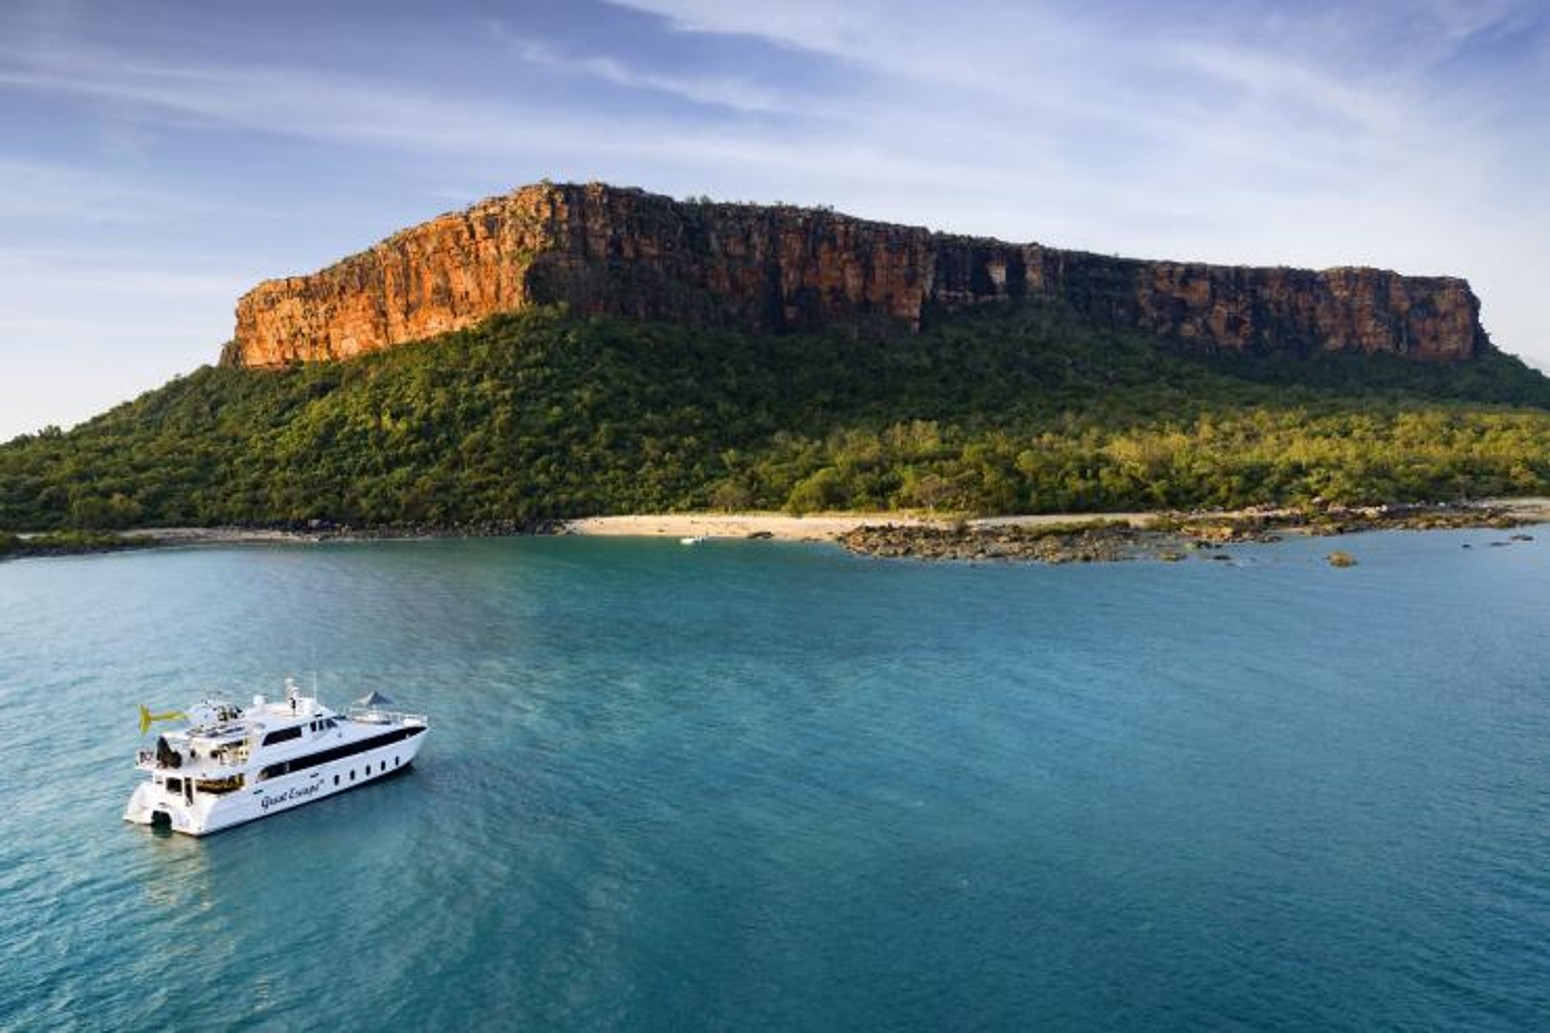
[(234, 764)]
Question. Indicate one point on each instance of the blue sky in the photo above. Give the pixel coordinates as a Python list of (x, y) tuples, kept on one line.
[(160, 158)]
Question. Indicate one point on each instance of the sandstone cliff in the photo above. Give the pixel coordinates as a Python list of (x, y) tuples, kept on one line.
[(605, 250)]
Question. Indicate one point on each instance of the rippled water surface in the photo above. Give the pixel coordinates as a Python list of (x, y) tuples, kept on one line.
[(750, 785)]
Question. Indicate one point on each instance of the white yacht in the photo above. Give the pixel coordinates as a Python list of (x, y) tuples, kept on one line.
[(234, 764)]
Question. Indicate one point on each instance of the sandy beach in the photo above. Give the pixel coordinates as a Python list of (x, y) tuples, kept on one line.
[(815, 528), (830, 526), (818, 527)]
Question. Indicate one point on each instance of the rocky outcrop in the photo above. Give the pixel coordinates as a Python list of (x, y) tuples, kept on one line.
[(1162, 537), (610, 251)]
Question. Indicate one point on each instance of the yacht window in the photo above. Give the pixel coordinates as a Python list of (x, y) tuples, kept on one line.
[(352, 774), (174, 785), (283, 735), (338, 753), (336, 780)]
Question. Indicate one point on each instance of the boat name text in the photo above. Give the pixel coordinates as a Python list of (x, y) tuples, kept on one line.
[(293, 793)]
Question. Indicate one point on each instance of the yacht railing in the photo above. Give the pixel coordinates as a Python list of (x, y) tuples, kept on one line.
[(235, 757), (380, 716)]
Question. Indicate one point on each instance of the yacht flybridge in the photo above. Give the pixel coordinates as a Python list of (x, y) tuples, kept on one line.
[(234, 764)]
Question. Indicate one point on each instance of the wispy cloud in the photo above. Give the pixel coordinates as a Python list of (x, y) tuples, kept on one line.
[(36, 190), (346, 109), (805, 24), (1462, 19), (717, 91), (341, 109), (336, 108), (26, 273), (1320, 100)]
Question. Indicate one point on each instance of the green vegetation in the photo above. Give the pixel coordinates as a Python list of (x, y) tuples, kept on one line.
[(1011, 409), (58, 543)]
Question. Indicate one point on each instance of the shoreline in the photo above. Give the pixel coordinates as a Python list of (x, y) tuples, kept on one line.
[(836, 526), (820, 527), (1045, 537)]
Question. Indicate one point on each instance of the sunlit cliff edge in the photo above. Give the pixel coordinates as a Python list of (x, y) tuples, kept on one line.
[(603, 250)]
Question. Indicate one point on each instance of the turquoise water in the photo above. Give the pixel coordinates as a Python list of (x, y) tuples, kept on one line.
[(752, 785)]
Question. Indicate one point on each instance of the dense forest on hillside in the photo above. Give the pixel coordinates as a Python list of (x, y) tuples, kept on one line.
[(1016, 408)]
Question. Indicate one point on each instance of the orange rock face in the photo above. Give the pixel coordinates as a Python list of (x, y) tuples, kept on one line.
[(608, 251)]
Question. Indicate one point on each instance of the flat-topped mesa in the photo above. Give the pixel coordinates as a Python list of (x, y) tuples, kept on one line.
[(609, 251)]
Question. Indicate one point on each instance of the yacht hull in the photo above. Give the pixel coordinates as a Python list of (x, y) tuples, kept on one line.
[(199, 813)]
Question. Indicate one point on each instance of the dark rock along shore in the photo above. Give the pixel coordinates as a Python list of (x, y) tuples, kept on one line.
[(1109, 541)]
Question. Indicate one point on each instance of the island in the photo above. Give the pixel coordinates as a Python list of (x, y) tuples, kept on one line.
[(571, 352)]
